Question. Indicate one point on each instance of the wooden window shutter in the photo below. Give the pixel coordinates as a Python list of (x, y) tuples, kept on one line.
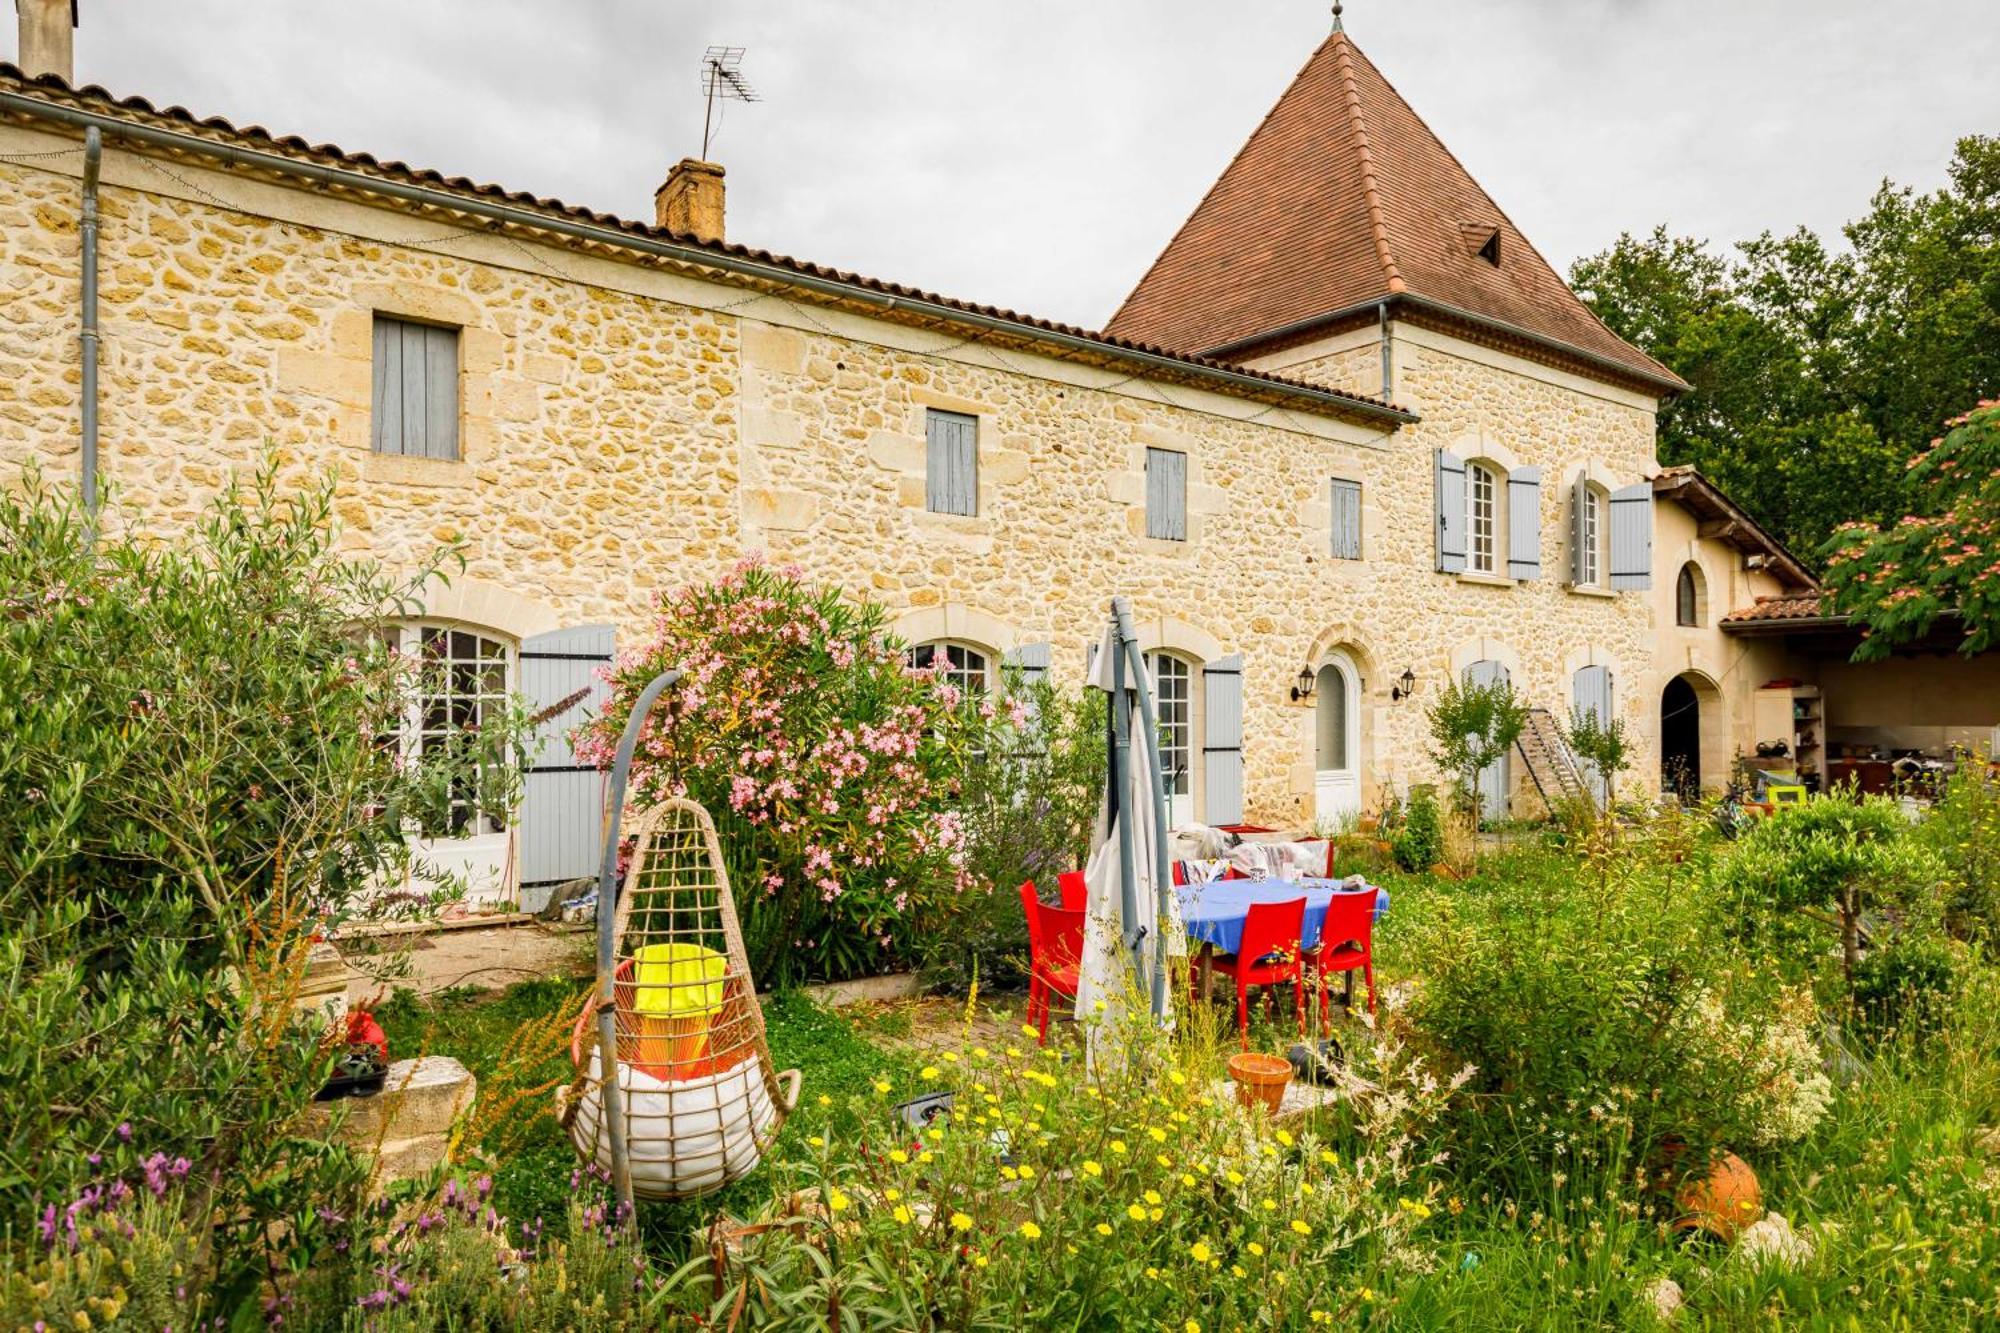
[(561, 800), (951, 465), (1166, 494), (1632, 537), (415, 398), (1449, 494), (1346, 519), (1222, 741), (1524, 523)]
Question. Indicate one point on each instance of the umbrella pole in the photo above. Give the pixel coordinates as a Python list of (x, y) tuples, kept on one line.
[(1121, 766), (1162, 876), (607, 939)]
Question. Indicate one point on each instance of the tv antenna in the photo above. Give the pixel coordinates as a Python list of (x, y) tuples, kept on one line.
[(722, 80)]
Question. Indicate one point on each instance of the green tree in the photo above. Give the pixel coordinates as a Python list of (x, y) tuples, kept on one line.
[(1473, 727), (1900, 581), (1815, 370)]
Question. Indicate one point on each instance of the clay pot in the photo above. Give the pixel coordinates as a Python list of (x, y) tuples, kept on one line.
[(1260, 1079), (1721, 1201), (1368, 824)]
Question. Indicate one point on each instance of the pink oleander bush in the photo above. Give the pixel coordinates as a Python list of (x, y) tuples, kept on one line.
[(827, 762)]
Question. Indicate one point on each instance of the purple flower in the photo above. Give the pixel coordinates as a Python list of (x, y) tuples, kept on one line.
[(125, 1131)]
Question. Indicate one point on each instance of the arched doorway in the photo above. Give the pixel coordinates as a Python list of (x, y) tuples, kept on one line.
[(1680, 738), (1337, 741)]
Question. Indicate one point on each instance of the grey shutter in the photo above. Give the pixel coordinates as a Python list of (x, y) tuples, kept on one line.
[(1632, 537), (415, 397), (1166, 494), (1494, 781), (1222, 741), (561, 800), (1592, 686), (1448, 470), (951, 465), (1579, 497), (1524, 523), (1346, 519), (1032, 659)]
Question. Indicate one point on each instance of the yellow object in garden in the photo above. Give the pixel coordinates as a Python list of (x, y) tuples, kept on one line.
[(679, 980), (1785, 795)]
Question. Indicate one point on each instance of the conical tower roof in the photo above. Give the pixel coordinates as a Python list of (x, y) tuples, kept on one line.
[(1342, 198)]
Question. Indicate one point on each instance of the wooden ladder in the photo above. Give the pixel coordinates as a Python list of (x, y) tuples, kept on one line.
[(1550, 762)]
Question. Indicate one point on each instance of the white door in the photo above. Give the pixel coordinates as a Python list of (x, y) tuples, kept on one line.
[(464, 680), (1336, 746)]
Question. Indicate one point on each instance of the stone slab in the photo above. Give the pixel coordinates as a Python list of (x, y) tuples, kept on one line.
[(419, 1098)]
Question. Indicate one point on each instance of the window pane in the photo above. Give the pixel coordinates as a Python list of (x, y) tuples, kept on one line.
[(1330, 696), (1482, 521), (1173, 701)]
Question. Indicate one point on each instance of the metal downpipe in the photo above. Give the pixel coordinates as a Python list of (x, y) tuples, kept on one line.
[(93, 156)]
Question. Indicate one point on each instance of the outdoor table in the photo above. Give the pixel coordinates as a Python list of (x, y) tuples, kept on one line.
[(1214, 913)]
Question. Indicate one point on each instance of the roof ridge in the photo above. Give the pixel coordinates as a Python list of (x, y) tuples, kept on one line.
[(1358, 126)]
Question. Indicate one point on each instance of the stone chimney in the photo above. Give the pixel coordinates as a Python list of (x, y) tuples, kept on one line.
[(690, 203), (47, 29)]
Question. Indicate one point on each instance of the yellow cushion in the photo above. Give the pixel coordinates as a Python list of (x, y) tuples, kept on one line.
[(679, 980)]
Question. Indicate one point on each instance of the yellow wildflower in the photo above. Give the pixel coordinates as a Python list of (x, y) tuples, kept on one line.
[(1103, 1228), (1177, 1078), (1153, 1196), (1199, 1252), (1156, 1213), (1234, 1177), (1027, 1172), (825, 1100), (1092, 1169), (1303, 1227), (1118, 1146), (1329, 1158), (898, 1156), (961, 1222), (1284, 1137), (881, 1085), (951, 1057), (1009, 1173), (835, 1200), (1166, 1162), (980, 1052), (892, 1194), (816, 1141), (1029, 1030), (979, 1261), (903, 1214), (1157, 1134), (929, 1073), (1187, 1179), (1256, 1249), (1135, 1211), (925, 1155), (1270, 1205), (1031, 1231), (1238, 1271)]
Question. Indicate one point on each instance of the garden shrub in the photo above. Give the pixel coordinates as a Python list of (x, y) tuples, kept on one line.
[(1418, 842), (827, 763), (1605, 1010), (198, 776), (1473, 726), (1963, 831), (1905, 985)]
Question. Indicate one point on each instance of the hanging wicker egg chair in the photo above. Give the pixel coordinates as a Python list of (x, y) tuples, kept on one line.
[(698, 1099)]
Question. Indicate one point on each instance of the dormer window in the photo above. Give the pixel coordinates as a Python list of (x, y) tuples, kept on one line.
[(1490, 251)]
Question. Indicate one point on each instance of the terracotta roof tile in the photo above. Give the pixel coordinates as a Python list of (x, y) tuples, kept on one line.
[(92, 97), (1804, 606), (1341, 197)]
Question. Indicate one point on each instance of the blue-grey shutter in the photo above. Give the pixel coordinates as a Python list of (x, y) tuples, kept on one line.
[(1592, 685), (1346, 519), (1632, 537), (1222, 741), (1166, 494), (1579, 499), (1495, 780), (415, 394), (951, 467), (1448, 470), (1032, 660), (1524, 523), (561, 800)]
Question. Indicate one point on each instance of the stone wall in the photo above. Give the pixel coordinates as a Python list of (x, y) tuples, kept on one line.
[(626, 430)]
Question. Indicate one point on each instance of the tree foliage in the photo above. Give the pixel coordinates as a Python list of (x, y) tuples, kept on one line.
[(1817, 369), (1473, 726)]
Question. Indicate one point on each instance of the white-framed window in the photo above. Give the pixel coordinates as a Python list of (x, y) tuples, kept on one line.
[(1590, 534), (1483, 487), (969, 668), (462, 680), (1173, 701)]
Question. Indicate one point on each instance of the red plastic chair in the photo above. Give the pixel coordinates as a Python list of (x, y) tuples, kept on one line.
[(1055, 952), (1268, 955), (1346, 943), (1075, 891)]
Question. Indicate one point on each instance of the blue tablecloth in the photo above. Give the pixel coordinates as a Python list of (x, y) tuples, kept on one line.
[(1214, 912)]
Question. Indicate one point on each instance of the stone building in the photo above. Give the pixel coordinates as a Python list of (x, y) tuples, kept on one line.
[(1349, 438)]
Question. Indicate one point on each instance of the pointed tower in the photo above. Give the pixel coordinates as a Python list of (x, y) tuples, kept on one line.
[(1344, 200)]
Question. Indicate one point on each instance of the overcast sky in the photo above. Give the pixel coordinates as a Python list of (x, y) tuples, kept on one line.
[(1038, 153)]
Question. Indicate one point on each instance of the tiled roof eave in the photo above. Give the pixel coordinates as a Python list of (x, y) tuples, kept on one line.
[(178, 131)]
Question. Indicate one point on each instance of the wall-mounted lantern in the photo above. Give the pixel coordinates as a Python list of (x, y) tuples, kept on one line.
[(1302, 688), (1405, 686)]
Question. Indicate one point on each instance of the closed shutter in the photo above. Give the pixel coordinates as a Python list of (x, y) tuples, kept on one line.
[(1632, 537), (1592, 687), (1524, 523), (1032, 660), (1166, 494), (951, 476), (1493, 782), (1222, 741), (561, 800), (1346, 519), (1448, 471), (415, 397)]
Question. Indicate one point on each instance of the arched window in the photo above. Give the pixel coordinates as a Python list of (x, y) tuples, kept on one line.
[(1592, 534), (462, 682), (961, 664), (1173, 700), (1687, 595), (1484, 486)]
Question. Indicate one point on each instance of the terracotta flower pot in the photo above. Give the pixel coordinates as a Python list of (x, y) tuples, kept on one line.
[(1260, 1079), (1721, 1201)]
